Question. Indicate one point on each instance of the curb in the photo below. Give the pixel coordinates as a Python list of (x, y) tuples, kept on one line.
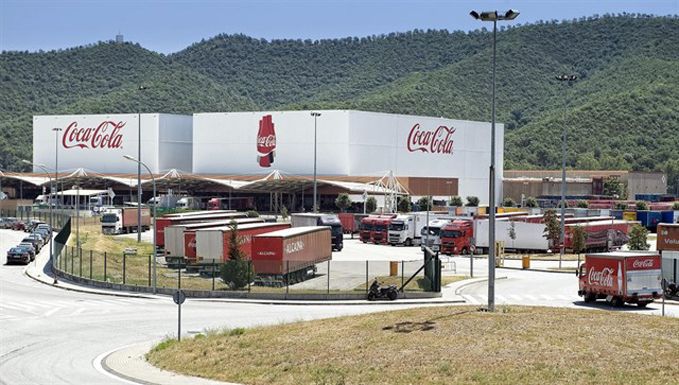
[(538, 270), (473, 281)]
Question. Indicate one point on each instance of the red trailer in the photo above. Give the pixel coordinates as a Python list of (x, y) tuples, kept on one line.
[(290, 256), (601, 235), (212, 244), (619, 277), (349, 223), (164, 221)]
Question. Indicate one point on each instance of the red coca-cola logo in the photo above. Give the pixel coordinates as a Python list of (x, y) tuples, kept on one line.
[(106, 135), (268, 141), (436, 141), (642, 263), (601, 278)]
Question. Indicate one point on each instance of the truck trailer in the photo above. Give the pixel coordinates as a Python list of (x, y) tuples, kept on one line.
[(621, 277), (178, 219), (330, 220), (290, 256), (212, 244), (124, 220), (406, 229)]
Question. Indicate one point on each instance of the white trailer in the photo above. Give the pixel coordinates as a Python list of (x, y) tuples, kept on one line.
[(406, 229), (175, 244), (529, 236)]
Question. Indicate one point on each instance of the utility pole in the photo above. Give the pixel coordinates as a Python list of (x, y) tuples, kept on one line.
[(315, 115)]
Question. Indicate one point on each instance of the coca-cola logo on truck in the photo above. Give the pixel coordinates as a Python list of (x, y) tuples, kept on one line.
[(435, 141), (642, 263), (601, 278), (106, 135)]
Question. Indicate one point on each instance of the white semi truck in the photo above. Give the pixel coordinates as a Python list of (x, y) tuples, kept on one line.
[(124, 220), (406, 229), (431, 234)]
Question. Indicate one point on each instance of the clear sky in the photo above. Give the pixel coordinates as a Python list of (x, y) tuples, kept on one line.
[(170, 25)]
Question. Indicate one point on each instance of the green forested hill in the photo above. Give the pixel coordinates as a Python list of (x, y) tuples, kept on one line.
[(622, 112)]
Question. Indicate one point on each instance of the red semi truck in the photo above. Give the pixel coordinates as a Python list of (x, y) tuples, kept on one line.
[(380, 229), (205, 216), (621, 277), (212, 244), (290, 255), (457, 237)]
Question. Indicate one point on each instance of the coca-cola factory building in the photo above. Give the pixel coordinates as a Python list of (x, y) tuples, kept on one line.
[(265, 159)]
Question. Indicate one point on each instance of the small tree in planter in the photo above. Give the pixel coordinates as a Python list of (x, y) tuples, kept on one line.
[(424, 203), (404, 204), (343, 202), (508, 202), (637, 238), (531, 202), (552, 229), (675, 206), (641, 206), (512, 232), (472, 201), (456, 201), (621, 206), (583, 204), (370, 204), (236, 272)]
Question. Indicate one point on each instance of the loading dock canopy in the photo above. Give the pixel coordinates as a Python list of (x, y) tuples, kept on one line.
[(275, 181)]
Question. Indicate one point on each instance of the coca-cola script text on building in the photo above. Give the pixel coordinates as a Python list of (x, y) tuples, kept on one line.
[(106, 135), (436, 141)]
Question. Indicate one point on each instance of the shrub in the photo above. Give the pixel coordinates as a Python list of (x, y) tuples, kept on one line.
[(583, 204), (531, 202), (456, 201), (343, 202), (641, 206), (508, 202), (472, 201)]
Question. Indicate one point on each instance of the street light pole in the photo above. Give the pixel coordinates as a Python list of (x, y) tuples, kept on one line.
[(139, 227), (315, 115), (56, 162), (568, 79), (47, 172), (155, 255), (494, 17)]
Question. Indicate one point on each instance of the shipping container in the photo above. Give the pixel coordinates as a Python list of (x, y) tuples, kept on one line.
[(175, 236), (619, 277), (291, 254), (212, 245), (649, 219), (630, 216), (164, 221), (667, 216)]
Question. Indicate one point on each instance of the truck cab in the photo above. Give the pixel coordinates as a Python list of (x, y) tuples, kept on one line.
[(457, 238), (431, 234), (111, 221), (336, 231), (380, 229), (366, 228), (399, 229)]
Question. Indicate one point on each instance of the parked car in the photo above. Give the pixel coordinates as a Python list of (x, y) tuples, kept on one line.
[(19, 226), (28, 247), (35, 241), (31, 225), (17, 254), (43, 233), (7, 222)]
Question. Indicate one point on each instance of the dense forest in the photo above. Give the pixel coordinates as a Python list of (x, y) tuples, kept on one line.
[(621, 113)]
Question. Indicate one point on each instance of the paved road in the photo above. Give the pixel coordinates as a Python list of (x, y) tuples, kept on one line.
[(52, 336)]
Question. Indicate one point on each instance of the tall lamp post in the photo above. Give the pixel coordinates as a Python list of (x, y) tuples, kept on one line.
[(141, 89), (315, 115), (154, 217), (494, 17), (568, 79), (56, 161), (47, 172)]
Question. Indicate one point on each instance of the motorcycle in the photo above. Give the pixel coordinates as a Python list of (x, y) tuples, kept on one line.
[(671, 289), (378, 291)]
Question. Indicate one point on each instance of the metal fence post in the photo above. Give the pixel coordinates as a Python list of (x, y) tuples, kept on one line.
[(179, 276), (150, 256), (213, 276), (90, 264), (328, 277), (105, 280), (80, 267), (124, 260), (287, 275), (249, 270), (72, 260), (403, 274), (471, 265), (366, 277)]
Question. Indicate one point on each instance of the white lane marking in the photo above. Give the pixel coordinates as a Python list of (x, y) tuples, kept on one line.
[(50, 312), (96, 363), (17, 306)]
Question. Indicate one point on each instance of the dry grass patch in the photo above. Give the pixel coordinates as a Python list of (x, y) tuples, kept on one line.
[(440, 345)]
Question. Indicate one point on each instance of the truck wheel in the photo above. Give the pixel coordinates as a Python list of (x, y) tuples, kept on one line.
[(409, 242), (465, 251), (590, 297), (617, 302), (642, 304)]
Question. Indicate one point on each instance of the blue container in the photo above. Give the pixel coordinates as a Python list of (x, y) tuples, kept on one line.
[(617, 214), (667, 216), (649, 219)]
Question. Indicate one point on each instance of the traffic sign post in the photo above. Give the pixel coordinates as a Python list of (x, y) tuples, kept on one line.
[(179, 297)]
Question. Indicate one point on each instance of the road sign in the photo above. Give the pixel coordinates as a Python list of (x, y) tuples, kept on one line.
[(179, 297)]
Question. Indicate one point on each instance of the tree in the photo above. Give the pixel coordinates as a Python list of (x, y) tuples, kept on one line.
[(404, 204), (621, 206), (675, 206), (424, 203), (579, 241), (583, 204), (343, 202), (472, 201), (456, 201), (370, 204), (531, 202), (284, 213), (508, 202), (552, 228), (236, 272), (637, 238), (512, 231), (641, 206), (614, 187)]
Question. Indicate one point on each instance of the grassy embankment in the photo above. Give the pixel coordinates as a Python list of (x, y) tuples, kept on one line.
[(439, 345)]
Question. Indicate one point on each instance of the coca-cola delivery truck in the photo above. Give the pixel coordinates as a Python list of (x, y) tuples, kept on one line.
[(621, 277), (330, 220), (290, 255), (124, 220), (212, 244)]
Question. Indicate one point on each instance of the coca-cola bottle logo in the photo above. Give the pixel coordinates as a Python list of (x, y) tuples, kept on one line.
[(435, 141), (266, 142), (106, 135)]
